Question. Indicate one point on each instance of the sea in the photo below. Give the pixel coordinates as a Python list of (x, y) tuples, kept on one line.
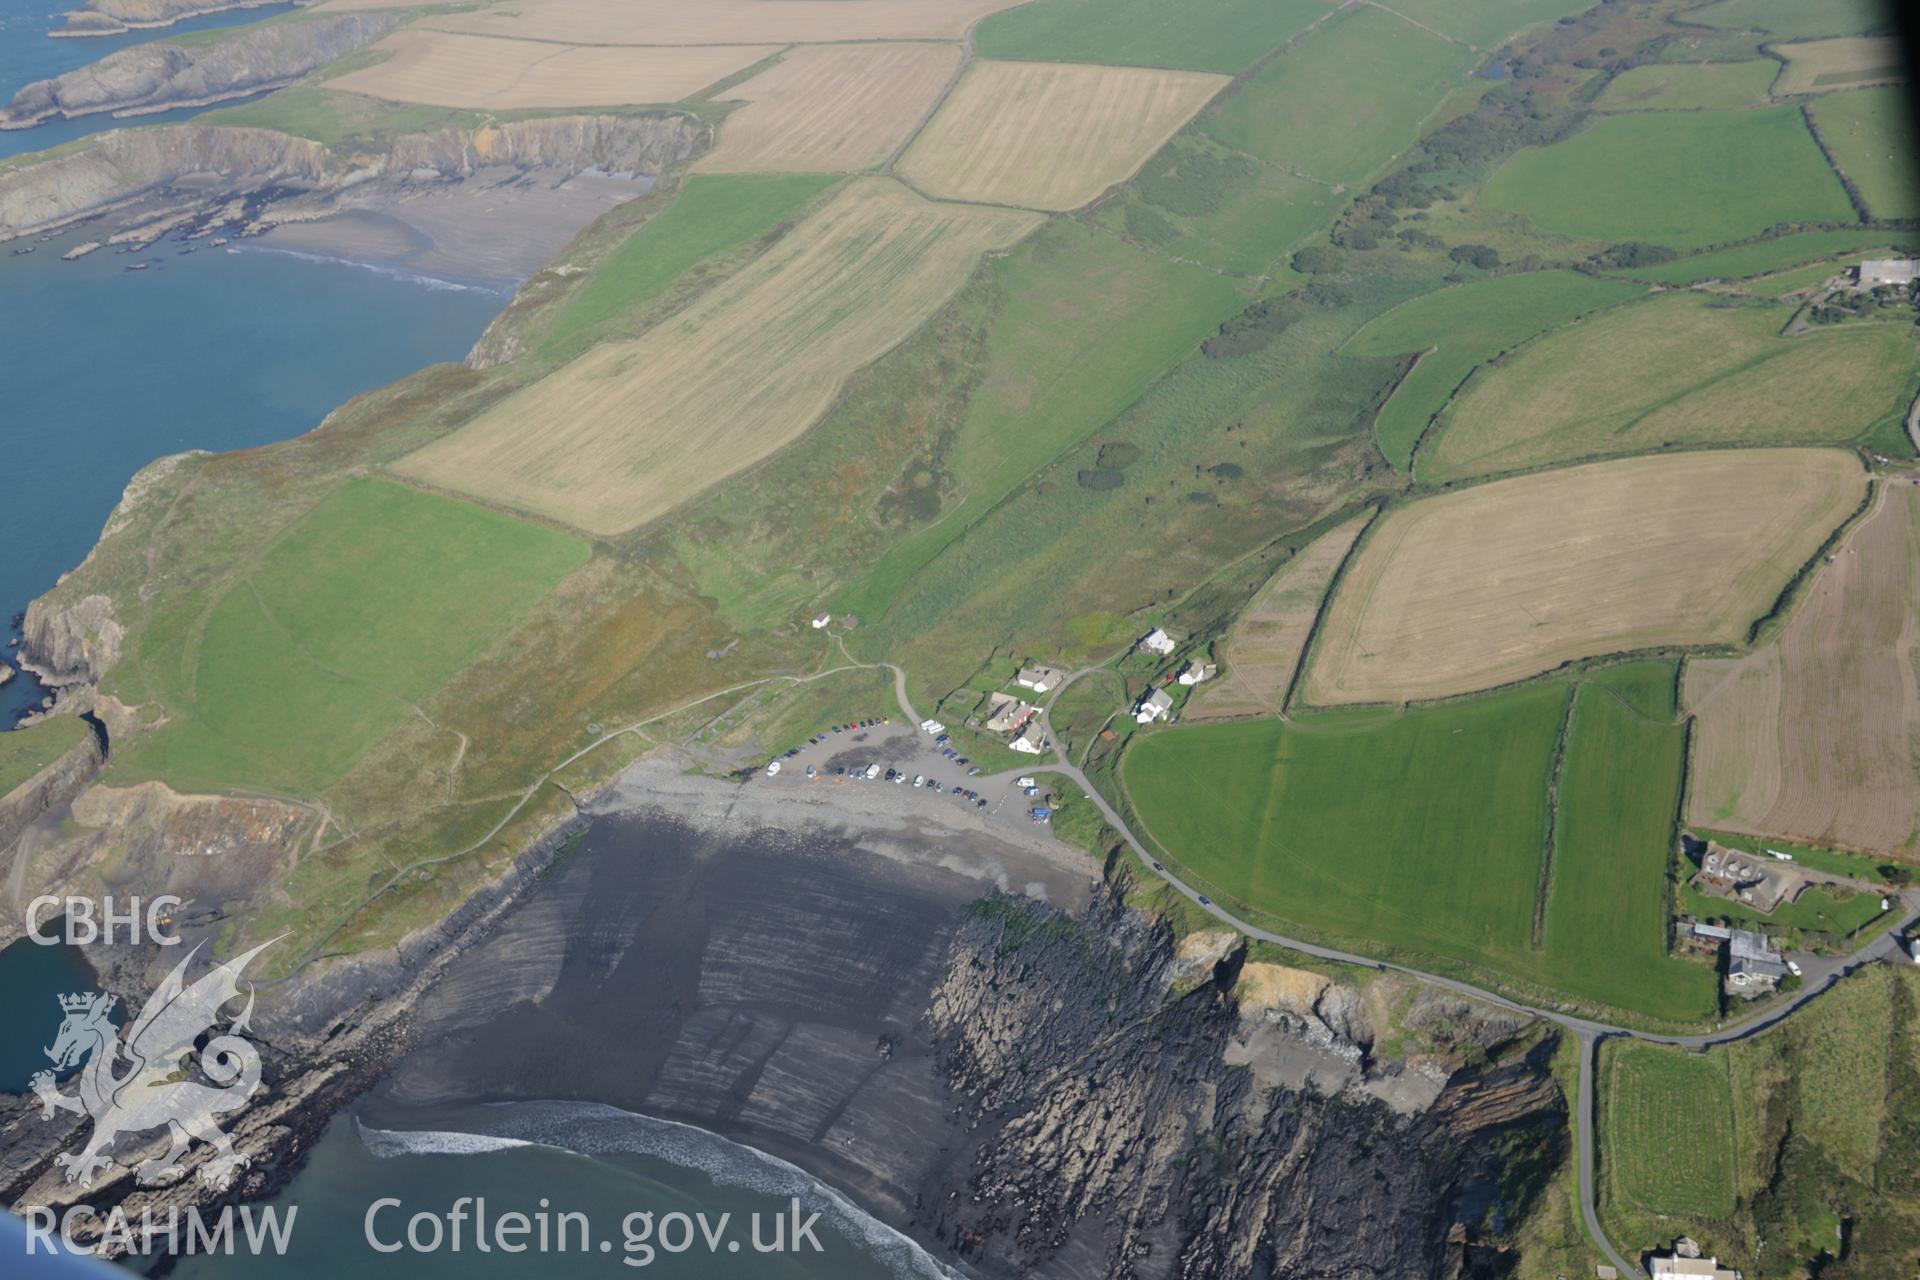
[(102, 370)]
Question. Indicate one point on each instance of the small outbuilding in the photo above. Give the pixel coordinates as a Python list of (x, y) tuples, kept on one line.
[(822, 621)]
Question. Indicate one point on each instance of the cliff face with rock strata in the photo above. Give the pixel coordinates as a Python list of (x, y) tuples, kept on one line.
[(190, 169)]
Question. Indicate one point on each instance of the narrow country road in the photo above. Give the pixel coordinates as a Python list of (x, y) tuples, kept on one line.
[(1820, 974)]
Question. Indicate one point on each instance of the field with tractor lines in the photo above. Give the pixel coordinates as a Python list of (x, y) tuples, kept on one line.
[(441, 69), (1815, 735), (632, 429), (1502, 581), (831, 108), (1046, 135)]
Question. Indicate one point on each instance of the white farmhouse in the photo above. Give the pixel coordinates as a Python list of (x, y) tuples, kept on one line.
[(1195, 672), (1153, 707), (1031, 740), (822, 621), (1157, 641), (1038, 678)]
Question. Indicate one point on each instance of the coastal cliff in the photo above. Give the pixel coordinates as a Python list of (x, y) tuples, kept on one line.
[(165, 74), (112, 17), (53, 788), (179, 172)]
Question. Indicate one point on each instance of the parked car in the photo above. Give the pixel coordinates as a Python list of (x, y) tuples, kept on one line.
[(974, 772), (809, 771), (1158, 867), (1793, 968), (962, 760), (919, 780), (773, 768), (982, 802)]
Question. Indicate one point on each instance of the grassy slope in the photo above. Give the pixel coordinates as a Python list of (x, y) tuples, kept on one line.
[(712, 214), (1209, 35), (1795, 19), (365, 606), (1765, 256), (1484, 22), (25, 752), (1869, 132), (1351, 95), (1689, 86), (1678, 180), (1085, 324), (1467, 324), (1676, 369)]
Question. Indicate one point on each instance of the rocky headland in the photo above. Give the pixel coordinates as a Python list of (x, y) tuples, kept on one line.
[(163, 74), (112, 17), (492, 203)]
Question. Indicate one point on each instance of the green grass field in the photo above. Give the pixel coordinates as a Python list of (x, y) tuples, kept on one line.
[(362, 609), (1817, 910), (1870, 134), (712, 213), (1607, 915), (1420, 834), (1682, 181), (1666, 1129), (1207, 35), (1351, 96), (331, 118), (1796, 19), (1484, 22), (1085, 324), (1689, 86), (1765, 257), (1673, 370), (1466, 325), (25, 752)]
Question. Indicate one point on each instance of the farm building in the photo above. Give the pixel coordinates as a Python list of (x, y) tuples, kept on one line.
[(1196, 672), (822, 621), (1685, 1260), (1006, 713), (1031, 739), (1038, 678), (1157, 641), (1754, 968), (1153, 706), (1882, 272)]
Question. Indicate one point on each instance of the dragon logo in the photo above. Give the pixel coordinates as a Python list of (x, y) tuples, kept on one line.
[(143, 1081)]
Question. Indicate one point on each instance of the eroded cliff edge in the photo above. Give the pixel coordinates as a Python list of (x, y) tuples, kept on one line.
[(159, 178), (112, 17)]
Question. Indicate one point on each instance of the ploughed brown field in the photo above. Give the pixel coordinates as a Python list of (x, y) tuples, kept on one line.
[(1816, 735), (831, 108), (1503, 581), (1047, 135), (632, 429)]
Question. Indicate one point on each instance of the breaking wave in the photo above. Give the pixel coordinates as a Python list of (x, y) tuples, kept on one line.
[(377, 268), (596, 1129)]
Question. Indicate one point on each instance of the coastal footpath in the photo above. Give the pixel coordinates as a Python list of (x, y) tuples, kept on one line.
[(164, 74)]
